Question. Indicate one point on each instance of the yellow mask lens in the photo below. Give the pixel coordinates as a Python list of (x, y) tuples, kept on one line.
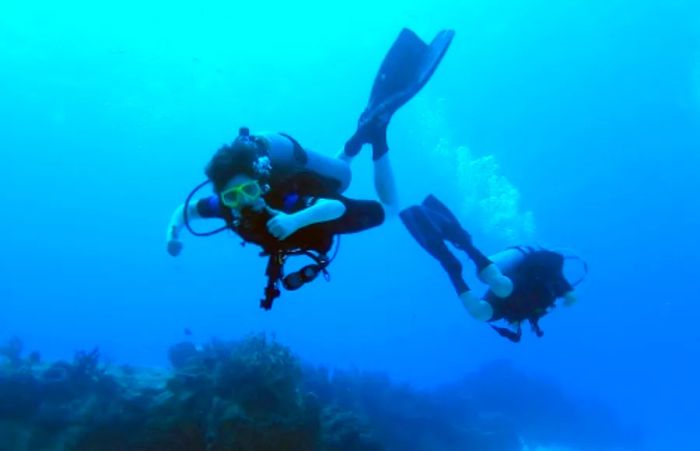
[(235, 196)]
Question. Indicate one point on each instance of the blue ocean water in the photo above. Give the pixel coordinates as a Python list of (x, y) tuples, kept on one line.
[(570, 124)]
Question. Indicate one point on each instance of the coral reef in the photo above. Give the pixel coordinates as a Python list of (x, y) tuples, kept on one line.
[(256, 395)]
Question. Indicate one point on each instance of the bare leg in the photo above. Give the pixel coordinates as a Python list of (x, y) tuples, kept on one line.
[(424, 225), (477, 308), (385, 185), (374, 133), (384, 181)]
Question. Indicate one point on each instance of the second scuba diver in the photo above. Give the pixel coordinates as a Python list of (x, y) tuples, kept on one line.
[(275, 193), (524, 282)]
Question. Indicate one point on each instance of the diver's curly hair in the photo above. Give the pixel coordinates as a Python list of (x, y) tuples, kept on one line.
[(230, 160)]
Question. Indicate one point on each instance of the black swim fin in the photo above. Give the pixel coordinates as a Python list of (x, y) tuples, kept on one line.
[(451, 229), (426, 230), (406, 68), (436, 220)]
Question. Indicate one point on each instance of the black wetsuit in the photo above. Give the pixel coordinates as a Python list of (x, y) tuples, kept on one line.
[(297, 193), (537, 280)]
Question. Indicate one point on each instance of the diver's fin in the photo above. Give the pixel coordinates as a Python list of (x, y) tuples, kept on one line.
[(450, 227), (432, 222), (428, 235), (406, 68), (421, 228), (433, 203), (452, 230)]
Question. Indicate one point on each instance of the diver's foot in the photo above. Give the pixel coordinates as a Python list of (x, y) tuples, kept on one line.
[(376, 135), (371, 132), (352, 147), (501, 285)]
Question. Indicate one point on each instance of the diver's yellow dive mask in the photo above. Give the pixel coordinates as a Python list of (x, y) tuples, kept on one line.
[(239, 195)]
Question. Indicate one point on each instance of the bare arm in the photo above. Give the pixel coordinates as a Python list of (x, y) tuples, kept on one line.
[(323, 210), (570, 298), (177, 220), (176, 224), (282, 225)]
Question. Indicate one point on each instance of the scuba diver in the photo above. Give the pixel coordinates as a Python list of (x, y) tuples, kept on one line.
[(524, 282), (273, 192)]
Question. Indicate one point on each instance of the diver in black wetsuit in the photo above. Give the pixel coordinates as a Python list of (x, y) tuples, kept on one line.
[(273, 192), (524, 282), (299, 216)]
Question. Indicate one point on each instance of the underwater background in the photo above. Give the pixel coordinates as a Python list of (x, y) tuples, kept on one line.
[(567, 123)]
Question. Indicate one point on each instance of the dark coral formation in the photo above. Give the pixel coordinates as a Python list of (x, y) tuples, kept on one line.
[(255, 395)]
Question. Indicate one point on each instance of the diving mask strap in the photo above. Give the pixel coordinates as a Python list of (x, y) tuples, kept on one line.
[(262, 165)]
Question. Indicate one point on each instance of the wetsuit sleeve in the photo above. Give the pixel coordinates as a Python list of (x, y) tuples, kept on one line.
[(210, 207), (305, 189), (359, 215)]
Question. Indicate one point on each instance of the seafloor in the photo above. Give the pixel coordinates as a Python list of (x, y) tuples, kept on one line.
[(256, 395)]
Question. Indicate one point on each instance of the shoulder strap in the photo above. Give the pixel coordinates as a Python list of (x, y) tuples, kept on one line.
[(525, 250), (300, 155)]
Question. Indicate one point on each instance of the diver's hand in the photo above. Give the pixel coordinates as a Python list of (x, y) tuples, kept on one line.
[(570, 298), (282, 225), (174, 247)]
